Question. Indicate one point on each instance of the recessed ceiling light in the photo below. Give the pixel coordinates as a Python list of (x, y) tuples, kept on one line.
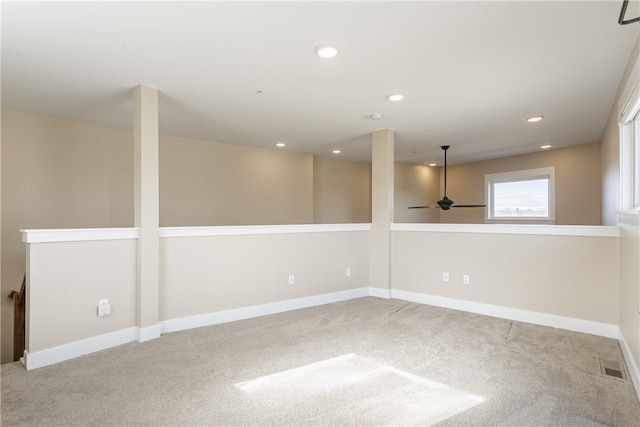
[(337, 151), (535, 119), (395, 97), (433, 164), (280, 144), (326, 51), (544, 147)]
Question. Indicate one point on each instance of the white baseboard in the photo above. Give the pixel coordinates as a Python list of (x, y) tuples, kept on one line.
[(101, 342), (634, 372), (75, 349), (544, 319), (214, 318), (148, 333), (58, 354), (380, 293)]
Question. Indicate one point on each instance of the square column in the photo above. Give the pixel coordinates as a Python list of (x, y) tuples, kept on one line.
[(147, 210), (382, 170)]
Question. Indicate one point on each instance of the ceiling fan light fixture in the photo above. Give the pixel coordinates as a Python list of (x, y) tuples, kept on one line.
[(326, 51), (535, 119), (446, 203)]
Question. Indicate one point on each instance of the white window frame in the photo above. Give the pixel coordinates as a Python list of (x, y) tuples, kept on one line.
[(521, 175), (629, 125)]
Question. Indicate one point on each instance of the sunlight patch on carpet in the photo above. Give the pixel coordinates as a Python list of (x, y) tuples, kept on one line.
[(354, 388)]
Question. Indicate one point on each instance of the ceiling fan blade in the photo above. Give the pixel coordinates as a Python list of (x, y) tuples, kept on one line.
[(424, 207), (469, 206)]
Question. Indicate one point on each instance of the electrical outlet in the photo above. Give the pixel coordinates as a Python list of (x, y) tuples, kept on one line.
[(104, 308), (466, 279), (445, 277), (348, 272), (292, 279)]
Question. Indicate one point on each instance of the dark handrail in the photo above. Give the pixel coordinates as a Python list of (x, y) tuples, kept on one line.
[(19, 320)]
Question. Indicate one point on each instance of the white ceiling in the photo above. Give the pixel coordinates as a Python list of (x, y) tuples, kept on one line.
[(471, 72)]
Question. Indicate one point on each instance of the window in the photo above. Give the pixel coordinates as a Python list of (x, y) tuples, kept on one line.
[(629, 122), (521, 196)]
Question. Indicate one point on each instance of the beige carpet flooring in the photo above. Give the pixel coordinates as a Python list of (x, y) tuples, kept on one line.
[(362, 362)]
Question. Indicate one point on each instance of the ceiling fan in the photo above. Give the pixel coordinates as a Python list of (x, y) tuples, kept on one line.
[(446, 203)]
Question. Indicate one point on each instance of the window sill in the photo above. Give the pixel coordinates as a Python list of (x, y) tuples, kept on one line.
[(634, 212), (545, 221)]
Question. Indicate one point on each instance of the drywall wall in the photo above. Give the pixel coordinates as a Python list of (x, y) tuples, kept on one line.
[(578, 183), (572, 276), (63, 174), (341, 191), (610, 148), (202, 275), (66, 281), (610, 170), (205, 183), (57, 174), (630, 283), (416, 185), (629, 227)]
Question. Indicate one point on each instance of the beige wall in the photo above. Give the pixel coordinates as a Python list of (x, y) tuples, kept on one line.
[(341, 191), (57, 174), (572, 276), (66, 281), (206, 183), (577, 184), (629, 228), (416, 185), (630, 283), (610, 150), (610, 169), (63, 174), (202, 275)]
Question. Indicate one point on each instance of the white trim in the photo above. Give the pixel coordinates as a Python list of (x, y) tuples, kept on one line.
[(520, 220), (259, 229), (629, 101), (241, 313), (633, 212), (75, 349), (79, 348), (555, 321), (548, 173), (148, 333), (380, 293), (536, 229), (634, 372), (78, 234)]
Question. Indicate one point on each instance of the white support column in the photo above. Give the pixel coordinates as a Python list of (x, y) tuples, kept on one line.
[(147, 210), (382, 168)]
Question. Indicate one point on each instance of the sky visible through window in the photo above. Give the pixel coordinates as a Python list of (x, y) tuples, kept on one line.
[(521, 198)]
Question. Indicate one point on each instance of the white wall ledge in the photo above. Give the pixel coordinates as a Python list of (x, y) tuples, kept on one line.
[(78, 234), (87, 234), (535, 229), (259, 229)]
